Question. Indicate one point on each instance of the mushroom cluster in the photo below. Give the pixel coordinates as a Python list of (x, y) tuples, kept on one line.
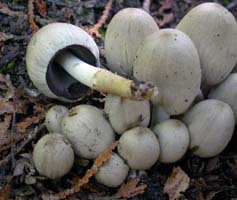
[(184, 96)]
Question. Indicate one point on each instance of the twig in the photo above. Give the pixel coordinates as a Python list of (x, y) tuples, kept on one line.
[(94, 31), (146, 5), (33, 25)]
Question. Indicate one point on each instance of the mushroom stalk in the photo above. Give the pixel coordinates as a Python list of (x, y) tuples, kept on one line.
[(105, 81)]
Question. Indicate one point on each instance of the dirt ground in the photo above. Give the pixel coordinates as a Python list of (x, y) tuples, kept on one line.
[(22, 108)]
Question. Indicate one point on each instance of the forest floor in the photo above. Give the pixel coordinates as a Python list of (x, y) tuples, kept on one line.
[(22, 110)]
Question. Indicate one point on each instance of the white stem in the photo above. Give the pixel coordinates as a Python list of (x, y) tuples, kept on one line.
[(78, 69), (105, 81)]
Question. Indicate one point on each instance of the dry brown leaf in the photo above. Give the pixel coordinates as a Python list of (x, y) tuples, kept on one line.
[(7, 11), (22, 126), (178, 182), (130, 189), (33, 25), (5, 192), (210, 195), (41, 7), (100, 160), (94, 31), (167, 18), (146, 5)]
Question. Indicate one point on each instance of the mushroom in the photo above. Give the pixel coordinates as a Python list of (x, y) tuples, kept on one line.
[(173, 138), (113, 172), (87, 130), (54, 117), (125, 114), (53, 156), (170, 60), (62, 60), (125, 33), (213, 30), (226, 91), (158, 114), (211, 125), (139, 147)]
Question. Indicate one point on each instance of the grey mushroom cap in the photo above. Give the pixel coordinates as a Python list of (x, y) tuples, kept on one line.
[(125, 32), (125, 114), (113, 172), (87, 130), (173, 138), (53, 156), (169, 59), (226, 91), (211, 125), (139, 146), (54, 117), (45, 73), (213, 30)]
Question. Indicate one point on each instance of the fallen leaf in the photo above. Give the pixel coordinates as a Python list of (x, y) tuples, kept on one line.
[(22, 126), (130, 189), (41, 7), (210, 195), (5, 192), (4, 37), (167, 18), (178, 182)]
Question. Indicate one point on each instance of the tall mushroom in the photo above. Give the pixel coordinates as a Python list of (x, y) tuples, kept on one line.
[(126, 32), (213, 30), (62, 58), (170, 60)]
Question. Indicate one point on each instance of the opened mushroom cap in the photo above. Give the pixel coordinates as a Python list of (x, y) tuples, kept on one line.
[(213, 30), (45, 73), (169, 59), (126, 31)]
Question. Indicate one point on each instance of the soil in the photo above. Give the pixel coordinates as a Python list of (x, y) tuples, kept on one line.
[(18, 178)]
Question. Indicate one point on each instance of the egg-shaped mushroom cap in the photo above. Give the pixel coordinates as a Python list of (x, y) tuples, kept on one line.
[(54, 117), (113, 172), (226, 91), (211, 125), (139, 146), (125, 32), (53, 156), (87, 130), (173, 138), (49, 77), (169, 59), (125, 114), (213, 30)]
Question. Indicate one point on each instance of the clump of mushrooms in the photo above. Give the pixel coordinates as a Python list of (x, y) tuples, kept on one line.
[(54, 117), (113, 172), (62, 60), (211, 125), (139, 147), (125, 114), (170, 60), (213, 30), (226, 91), (87, 130), (173, 138), (53, 156), (125, 33)]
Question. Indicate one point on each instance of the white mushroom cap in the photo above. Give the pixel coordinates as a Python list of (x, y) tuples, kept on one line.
[(53, 156), (139, 147), (125, 32), (213, 30), (45, 45), (87, 130), (211, 125), (226, 91), (169, 59), (173, 138), (54, 117), (125, 114), (113, 172)]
